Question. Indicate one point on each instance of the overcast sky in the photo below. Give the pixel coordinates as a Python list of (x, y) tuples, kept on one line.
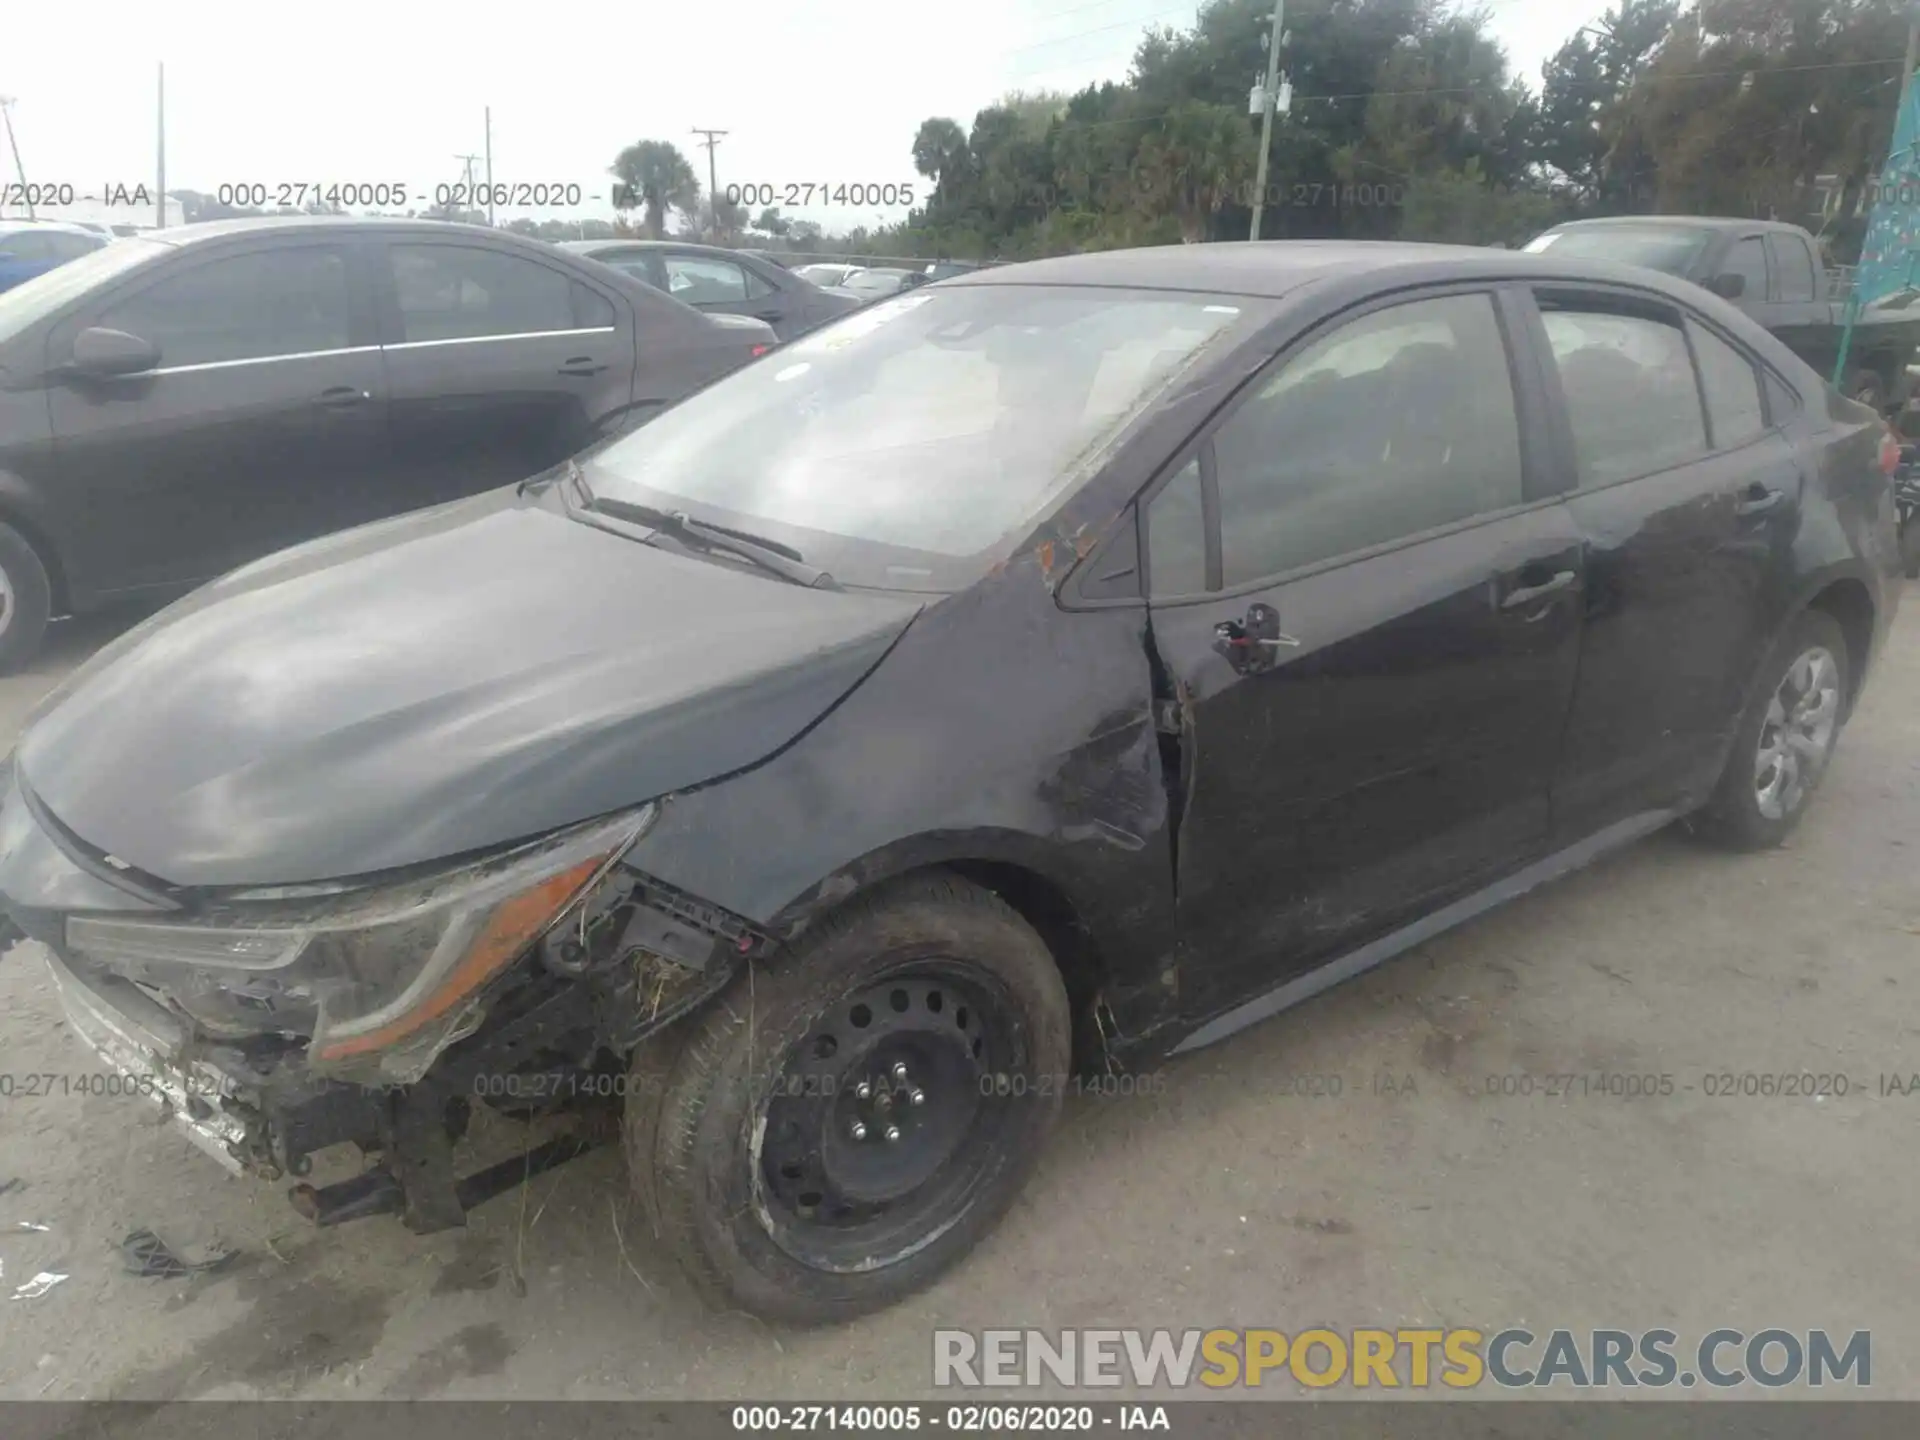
[(353, 91)]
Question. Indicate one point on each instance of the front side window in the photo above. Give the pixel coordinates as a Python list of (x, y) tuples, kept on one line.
[(1396, 423), (463, 292), (935, 422), (1630, 390), (1748, 260), (695, 280), (287, 301)]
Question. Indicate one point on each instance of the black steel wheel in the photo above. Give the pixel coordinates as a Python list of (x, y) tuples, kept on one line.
[(846, 1122)]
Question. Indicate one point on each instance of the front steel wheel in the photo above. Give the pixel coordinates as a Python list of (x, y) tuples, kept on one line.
[(1785, 739), (848, 1120)]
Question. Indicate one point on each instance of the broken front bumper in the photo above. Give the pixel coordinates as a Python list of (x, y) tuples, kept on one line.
[(146, 1045)]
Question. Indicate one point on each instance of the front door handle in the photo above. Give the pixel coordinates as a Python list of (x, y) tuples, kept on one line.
[(1249, 643), (1527, 594), (344, 397), (1758, 499), (581, 365)]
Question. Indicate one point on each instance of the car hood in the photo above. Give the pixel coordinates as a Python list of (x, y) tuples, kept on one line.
[(453, 680)]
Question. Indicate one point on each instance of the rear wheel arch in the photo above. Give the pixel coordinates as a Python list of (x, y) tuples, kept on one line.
[(1848, 601)]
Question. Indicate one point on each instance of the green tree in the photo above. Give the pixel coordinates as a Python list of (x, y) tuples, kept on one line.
[(654, 176)]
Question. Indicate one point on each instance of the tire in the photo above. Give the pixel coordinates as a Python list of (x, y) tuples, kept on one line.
[(1910, 548), (760, 1152), (1748, 811), (26, 600)]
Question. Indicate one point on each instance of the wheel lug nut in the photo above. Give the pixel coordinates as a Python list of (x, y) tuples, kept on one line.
[(858, 1131), (918, 1097), (899, 1069), (863, 1091), (893, 1133)]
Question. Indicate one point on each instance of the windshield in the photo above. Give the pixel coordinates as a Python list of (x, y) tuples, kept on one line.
[(880, 281), (1670, 248), (935, 422), (46, 292)]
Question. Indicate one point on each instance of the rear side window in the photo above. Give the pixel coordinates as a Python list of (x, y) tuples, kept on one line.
[(461, 292), (697, 280), (1792, 267), (290, 301), (1630, 391), (1396, 423), (591, 309), (1732, 388)]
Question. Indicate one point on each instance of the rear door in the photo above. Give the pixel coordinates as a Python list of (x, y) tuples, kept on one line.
[(1365, 596), (500, 365), (258, 428), (1688, 496)]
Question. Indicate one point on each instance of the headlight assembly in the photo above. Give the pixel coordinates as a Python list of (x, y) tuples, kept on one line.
[(384, 977)]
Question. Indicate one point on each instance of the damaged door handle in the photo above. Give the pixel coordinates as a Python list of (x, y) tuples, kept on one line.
[(1249, 643)]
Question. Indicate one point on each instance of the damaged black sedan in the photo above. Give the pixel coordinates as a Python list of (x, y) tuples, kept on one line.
[(1024, 678)]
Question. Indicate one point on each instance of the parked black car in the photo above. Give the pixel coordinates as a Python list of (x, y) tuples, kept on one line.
[(177, 404), (717, 280), (1023, 678)]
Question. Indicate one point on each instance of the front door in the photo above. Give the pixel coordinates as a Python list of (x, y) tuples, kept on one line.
[(262, 423), (1366, 601)]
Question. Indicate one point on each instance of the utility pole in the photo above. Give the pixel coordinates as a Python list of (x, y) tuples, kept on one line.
[(712, 138), (6, 113), (1269, 98), (466, 180), (160, 158), (489, 164)]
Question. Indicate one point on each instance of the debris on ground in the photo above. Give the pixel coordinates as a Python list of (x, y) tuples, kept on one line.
[(38, 1286), (146, 1254), (7, 1186), (32, 1227)]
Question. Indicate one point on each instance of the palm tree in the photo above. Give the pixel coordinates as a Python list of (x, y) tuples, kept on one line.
[(654, 174)]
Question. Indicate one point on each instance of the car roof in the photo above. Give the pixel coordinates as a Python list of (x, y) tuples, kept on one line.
[(625, 243), (59, 227), (1274, 268), (1695, 222), (205, 230)]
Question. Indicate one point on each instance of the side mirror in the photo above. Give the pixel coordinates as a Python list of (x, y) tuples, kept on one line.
[(1728, 286), (102, 352)]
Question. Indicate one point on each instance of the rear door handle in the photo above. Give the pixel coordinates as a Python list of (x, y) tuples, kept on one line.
[(1758, 499), (581, 365), (1528, 594), (344, 397)]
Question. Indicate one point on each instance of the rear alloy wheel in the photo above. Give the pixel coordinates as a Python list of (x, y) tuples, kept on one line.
[(848, 1121), (1786, 738)]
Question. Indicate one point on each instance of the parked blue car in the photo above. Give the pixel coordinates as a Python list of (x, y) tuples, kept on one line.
[(31, 247)]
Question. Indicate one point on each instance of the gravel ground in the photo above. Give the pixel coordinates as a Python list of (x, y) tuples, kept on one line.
[(1224, 1197)]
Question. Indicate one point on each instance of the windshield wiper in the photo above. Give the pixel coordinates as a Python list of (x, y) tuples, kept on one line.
[(698, 535)]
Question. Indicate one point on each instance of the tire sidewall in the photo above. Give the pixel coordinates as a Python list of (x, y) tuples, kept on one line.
[(32, 599), (785, 1006)]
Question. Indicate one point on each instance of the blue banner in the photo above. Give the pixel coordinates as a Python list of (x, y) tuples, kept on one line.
[(1890, 255)]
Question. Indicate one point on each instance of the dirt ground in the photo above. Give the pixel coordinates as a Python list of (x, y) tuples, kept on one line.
[(1221, 1199)]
